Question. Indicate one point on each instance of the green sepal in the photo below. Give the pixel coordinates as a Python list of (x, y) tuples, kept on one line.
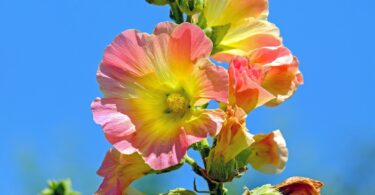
[(63, 187), (267, 189), (158, 2), (218, 33), (180, 191), (190, 7)]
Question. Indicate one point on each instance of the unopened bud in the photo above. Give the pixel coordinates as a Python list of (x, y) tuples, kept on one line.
[(158, 2), (190, 7)]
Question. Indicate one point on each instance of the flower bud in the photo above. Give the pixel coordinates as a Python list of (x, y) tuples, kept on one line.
[(190, 7), (158, 2)]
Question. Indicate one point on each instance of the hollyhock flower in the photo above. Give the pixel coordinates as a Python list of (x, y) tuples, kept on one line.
[(239, 27), (233, 137), (155, 87), (280, 73), (299, 185), (231, 141), (268, 153), (270, 75), (119, 171)]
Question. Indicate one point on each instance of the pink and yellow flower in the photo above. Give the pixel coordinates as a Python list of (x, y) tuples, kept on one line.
[(119, 171), (154, 88), (268, 153)]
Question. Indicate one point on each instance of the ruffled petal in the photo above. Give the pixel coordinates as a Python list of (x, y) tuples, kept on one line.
[(269, 153), (222, 12), (282, 81), (203, 123), (165, 27), (210, 83), (281, 75), (116, 125), (119, 171), (245, 90), (163, 149)]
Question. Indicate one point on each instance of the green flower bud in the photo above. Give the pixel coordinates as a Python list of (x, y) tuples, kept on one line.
[(190, 7), (158, 2), (221, 171)]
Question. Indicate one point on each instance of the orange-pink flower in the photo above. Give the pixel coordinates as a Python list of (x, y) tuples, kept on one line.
[(119, 171), (155, 87), (270, 75), (233, 137)]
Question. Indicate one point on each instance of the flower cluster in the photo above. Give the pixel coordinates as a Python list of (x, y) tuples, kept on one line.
[(157, 88)]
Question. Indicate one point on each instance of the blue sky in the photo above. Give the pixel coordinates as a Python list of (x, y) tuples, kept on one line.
[(50, 51)]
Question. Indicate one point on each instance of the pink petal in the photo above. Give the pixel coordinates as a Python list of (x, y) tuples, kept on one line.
[(202, 123), (188, 43), (161, 153), (245, 91), (116, 125), (165, 27), (119, 171), (212, 82)]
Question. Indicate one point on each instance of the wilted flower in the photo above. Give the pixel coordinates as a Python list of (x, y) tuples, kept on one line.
[(299, 186), (268, 153), (119, 171), (155, 87)]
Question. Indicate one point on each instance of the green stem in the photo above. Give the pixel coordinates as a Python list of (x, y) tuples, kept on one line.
[(176, 13), (188, 18), (204, 150), (196, 168)]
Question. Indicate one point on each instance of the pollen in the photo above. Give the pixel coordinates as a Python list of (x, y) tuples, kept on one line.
[(177, 104)]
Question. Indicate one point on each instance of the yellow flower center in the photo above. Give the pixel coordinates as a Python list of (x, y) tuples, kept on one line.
[(177, 104)]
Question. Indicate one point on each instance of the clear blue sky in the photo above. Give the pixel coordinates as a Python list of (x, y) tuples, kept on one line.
[(50, 50)]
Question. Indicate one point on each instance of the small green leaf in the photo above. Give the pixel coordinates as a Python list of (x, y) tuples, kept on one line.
[(218, 33)]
